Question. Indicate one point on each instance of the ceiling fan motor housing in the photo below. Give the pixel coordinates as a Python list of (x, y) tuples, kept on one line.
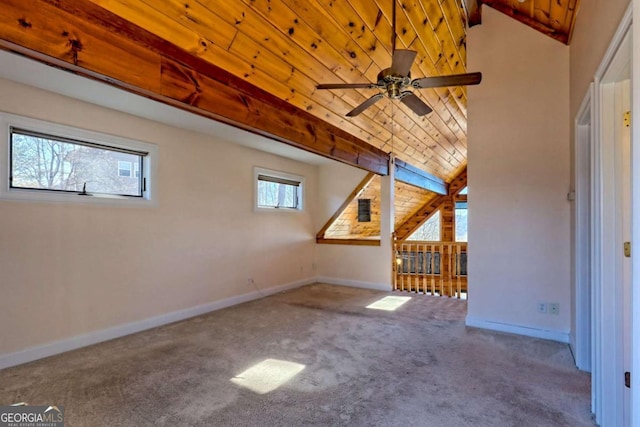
[(393, 83)]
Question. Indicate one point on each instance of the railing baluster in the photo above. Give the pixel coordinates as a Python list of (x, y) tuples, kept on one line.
[(405, 262), (423, 271), (430, 268), (458, 271), (450, 270), (395, 265)]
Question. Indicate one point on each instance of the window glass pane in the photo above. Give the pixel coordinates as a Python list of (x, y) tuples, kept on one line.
[(429, 231), (277, 195), (46, 163), (461, 223), (463, 191), (124, 168)]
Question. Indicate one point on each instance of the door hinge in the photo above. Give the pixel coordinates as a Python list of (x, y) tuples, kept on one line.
[(626, 119), (627, 249), (627, 379)]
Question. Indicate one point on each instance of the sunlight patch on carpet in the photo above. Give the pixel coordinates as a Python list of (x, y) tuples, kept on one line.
[(390, 303), (267, 375)]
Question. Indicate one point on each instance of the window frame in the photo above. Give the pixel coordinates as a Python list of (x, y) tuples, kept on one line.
[(258, 171), (64, 132), (460, 205)]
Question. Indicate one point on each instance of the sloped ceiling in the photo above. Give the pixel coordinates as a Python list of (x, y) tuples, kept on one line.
[(555, 18), (287, 47)]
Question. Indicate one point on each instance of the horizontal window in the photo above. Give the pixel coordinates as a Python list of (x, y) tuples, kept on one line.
[(58, 163), (47, 162), (278, 190)]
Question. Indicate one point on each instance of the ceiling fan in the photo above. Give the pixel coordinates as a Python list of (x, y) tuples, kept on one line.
[(395, 82)]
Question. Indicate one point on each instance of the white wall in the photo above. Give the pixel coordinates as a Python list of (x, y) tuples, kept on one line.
[(595, 26), (364, 266), (518, 155), (72, 269)]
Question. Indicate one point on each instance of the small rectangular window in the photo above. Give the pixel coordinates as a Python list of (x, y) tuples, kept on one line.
[(364, 210), (461, 221), (49, 162), (278, 190)]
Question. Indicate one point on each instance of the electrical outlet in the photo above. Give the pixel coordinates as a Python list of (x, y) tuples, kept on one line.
[(250, 281), (554, 308), (542, 307)]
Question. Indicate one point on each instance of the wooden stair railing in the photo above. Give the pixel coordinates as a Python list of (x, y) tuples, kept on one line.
[(436, 268)]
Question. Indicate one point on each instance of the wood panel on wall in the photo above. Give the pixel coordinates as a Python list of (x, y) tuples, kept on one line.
[(345, 225), (84, 38)]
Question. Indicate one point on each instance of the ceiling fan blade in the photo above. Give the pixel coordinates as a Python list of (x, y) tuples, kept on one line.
[(444, 81), (416, 104), (366, 104), (402, 62), (347, 86)]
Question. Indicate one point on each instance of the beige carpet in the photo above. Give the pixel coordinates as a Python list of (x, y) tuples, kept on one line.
[(344, 365)]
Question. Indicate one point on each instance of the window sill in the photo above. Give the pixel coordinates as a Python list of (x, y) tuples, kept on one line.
[(43, 196)]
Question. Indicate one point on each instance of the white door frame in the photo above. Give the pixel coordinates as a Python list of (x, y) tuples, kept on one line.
[(583, 171), (635, 223), (606, 274)]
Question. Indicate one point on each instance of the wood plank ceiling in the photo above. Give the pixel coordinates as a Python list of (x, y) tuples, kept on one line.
[(555, 18), (287, 47)]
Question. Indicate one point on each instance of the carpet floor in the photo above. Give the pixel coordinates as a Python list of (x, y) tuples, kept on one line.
[(313, 356)]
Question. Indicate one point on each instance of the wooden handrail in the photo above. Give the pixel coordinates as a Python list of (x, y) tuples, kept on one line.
[(437, 268)]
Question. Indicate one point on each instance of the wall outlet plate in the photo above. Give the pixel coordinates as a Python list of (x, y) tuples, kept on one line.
[(554, 308), (542, 307)]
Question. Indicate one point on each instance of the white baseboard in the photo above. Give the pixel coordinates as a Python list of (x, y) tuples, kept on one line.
[(78, 341), (546, 334), (355, 283)]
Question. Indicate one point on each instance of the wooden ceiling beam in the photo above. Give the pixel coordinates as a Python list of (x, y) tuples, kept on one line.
[(419, 178), (88, 40), (473, 8), (527, 20), (458, 183)]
